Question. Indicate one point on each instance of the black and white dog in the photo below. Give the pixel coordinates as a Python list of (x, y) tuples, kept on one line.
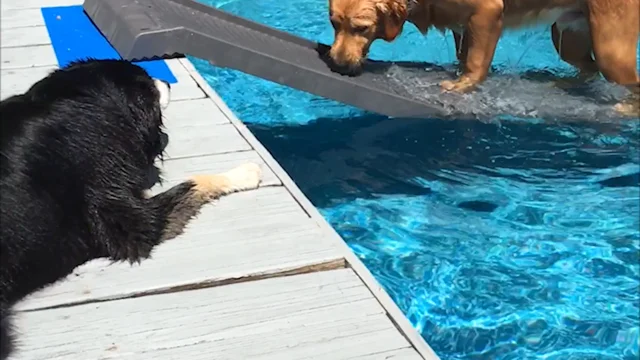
[(77, 160)]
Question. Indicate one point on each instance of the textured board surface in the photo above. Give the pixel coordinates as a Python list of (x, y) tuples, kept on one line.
[(27, 57), (329, 315), (74, 37), (12, 18), (24, 36), (34, 4)]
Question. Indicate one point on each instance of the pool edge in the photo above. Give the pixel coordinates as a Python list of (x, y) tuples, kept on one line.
[(393, 311)]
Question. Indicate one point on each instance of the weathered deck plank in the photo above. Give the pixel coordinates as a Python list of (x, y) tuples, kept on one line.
[(23, 37), (194, 113), (325, 315), (16, 81), (20, 18), (35, 4), (190, 141), (27, 57)]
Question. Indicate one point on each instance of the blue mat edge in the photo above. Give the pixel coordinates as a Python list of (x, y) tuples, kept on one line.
[(156, 68)]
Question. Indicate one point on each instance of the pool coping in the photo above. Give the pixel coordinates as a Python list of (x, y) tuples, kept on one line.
[(393, 311)]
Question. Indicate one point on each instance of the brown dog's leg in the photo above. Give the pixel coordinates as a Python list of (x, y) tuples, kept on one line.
[(482, 34), (615, 27), (461, 47), (575, 48)]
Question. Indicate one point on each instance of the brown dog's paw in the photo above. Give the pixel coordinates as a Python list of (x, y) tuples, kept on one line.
[(462, 85), (628, 108)]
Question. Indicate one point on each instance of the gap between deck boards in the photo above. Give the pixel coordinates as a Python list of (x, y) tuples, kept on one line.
[(307, 269)]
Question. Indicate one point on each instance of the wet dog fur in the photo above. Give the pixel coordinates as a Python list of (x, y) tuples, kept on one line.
[(77, 157)]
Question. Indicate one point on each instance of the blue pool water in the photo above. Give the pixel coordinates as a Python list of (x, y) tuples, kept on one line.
[(512, 240)]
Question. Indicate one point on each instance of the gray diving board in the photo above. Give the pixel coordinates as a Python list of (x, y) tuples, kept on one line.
[(148, 29)]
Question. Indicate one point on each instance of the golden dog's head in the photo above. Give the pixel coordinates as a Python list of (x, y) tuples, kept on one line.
[(357, 23)]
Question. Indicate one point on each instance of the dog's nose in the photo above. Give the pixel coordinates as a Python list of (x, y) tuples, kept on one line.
[(348, 70), (342, 67)]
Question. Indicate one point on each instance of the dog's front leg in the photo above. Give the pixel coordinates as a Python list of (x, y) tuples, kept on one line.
[(479, 40), (614, 34), (133, 226), (462, 46)]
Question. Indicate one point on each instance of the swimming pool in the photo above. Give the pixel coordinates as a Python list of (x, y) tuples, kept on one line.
[(512, 240)]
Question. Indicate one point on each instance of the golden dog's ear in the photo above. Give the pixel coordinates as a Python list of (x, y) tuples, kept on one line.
[(393, 14)]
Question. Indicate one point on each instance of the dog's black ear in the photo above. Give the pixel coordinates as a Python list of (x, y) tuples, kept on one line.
[(393, 14)]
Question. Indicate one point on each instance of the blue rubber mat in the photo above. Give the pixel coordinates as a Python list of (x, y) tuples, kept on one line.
[(74, 37)]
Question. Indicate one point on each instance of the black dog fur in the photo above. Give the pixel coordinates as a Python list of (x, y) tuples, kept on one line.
[(77, 154)]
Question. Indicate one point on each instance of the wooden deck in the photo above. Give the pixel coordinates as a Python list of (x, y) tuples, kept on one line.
[(258, 275)]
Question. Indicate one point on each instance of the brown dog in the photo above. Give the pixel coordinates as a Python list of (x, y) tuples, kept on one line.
[(608, 29)]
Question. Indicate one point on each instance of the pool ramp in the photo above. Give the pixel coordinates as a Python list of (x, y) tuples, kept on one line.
[(141, 29)]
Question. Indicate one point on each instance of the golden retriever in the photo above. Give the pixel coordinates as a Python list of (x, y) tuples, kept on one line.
[(608, 29)]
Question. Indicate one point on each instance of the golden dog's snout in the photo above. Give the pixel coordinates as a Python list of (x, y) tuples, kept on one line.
[(345, 59)]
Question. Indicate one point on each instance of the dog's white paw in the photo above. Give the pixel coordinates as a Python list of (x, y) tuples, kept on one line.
[(164, 93), (244, 177)]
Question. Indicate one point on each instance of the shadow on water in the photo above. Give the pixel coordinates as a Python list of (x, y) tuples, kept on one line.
[(337, 160)]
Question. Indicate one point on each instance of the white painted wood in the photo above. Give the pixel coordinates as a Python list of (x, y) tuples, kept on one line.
[(326, 315), (175, 171), (381, 295), (20, 18), (27, 57), (195, 113), (198, 128), (262, 231), (398, 354), (20, 37), (186, 88), (35, 4), (190, 141), (17, 81)]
